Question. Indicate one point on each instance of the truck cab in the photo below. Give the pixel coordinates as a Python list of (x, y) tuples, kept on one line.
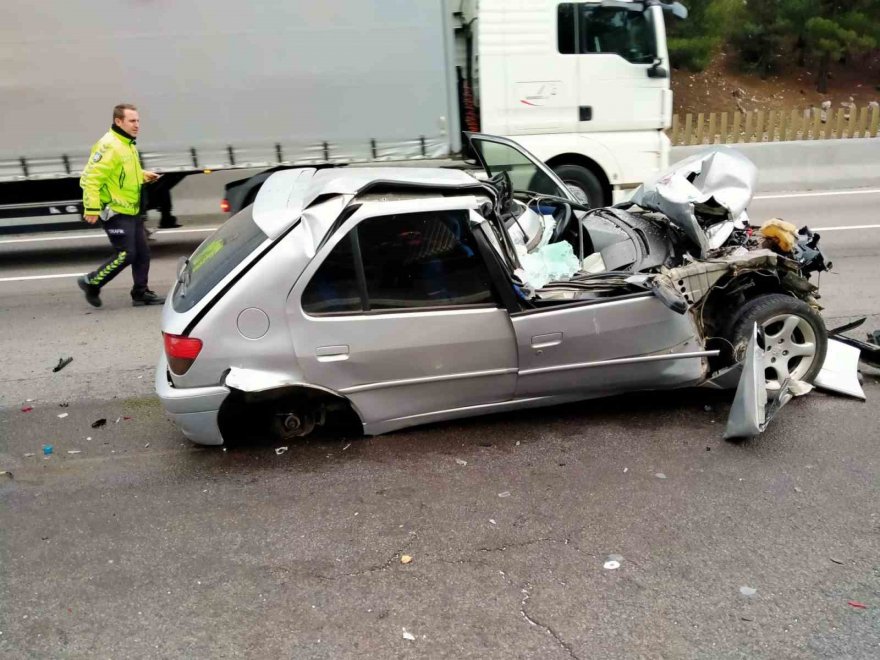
[(582, 85)]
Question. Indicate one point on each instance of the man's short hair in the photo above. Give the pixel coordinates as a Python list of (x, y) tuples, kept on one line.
[(119, 110)]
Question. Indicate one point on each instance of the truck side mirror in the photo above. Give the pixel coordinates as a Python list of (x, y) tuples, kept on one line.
[(657, 71)]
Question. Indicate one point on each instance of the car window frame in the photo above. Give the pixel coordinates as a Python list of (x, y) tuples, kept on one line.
[(577, 7), (372, 210)]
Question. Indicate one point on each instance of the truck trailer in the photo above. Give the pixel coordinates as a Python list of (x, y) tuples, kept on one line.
[(225, 85)]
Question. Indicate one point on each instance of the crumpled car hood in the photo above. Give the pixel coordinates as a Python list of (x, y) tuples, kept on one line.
[(720, 178)]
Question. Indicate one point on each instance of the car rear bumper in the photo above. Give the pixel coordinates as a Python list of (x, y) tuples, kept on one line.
[(193, 409)]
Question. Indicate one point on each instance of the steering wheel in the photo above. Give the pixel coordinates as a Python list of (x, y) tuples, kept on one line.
[(563, 222)]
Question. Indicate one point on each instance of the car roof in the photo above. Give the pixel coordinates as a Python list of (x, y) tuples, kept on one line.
[(285, 194)]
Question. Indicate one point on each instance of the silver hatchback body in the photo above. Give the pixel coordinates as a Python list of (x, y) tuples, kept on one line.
[(418, 295)]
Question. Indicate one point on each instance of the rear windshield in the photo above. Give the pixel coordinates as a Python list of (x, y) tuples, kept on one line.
[(216, 258)]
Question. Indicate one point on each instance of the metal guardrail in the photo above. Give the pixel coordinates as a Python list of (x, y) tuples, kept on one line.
[(774, 126)]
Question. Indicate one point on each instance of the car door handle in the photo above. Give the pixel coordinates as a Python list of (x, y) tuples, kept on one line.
[(546, 341), (331, 353)]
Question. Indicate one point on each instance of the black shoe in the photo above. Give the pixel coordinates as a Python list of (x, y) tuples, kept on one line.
[(93, 293), (170, 223), (147, 298)]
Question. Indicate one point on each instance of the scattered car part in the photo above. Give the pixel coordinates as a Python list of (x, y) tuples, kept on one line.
[(751, 411), (869, 351), (840, 372)]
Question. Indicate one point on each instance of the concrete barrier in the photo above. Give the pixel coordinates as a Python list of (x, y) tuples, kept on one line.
[(813, 165)]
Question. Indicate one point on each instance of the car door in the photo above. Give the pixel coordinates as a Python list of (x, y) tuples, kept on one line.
[(597, 348), (591, 347), (397, 312)]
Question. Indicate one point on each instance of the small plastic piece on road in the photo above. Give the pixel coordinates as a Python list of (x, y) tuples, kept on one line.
[(857, 604), (280, 450), (836, 561), (409, 636), (62, 415), (406, 559), (461, 461), (74, 451), (27, 409), (660, 475), (748, 591), (47, 450), (611, 565), (506, 493), (62, 362), (98, 423)]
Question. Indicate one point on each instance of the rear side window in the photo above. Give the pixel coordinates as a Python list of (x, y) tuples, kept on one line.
[(406, 261), (214, 259)]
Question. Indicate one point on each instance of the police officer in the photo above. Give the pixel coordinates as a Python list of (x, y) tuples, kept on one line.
[(111, 184)]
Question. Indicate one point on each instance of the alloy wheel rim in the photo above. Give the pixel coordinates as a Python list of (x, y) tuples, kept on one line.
[(789, 349)]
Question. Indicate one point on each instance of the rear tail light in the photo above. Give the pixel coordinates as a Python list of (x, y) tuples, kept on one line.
[(225, 205), (181, 352)]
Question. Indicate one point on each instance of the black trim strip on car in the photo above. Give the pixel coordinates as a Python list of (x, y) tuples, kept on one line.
[(406, 310), (347, 212), (359, 272)]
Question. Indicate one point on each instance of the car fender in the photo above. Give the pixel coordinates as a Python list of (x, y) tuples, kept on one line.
[(253, 381)]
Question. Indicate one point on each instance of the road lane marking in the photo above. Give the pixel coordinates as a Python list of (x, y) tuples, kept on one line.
[(845, 228), (40, 277), (201, 230), (831, 193)]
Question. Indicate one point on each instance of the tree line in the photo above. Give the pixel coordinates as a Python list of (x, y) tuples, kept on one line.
[(765, 34)]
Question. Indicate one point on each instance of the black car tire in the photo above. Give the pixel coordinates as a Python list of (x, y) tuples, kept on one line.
[(787, 327), (577, 177)]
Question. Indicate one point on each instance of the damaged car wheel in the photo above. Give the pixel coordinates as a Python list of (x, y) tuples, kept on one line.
[(791, 335)]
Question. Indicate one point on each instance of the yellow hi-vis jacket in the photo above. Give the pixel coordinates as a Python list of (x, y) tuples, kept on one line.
[(113, 176)]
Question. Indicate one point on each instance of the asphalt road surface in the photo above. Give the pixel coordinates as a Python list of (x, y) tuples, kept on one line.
[(130, 542)]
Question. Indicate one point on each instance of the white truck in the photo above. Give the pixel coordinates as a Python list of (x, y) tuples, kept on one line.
[(223, 84)]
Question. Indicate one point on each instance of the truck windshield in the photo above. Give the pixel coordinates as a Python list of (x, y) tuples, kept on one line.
[(592, 29), (214, 259)]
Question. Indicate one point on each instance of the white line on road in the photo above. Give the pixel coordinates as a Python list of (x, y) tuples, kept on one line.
[(845, 228), (832, 193), (40, 277), (200, 230)]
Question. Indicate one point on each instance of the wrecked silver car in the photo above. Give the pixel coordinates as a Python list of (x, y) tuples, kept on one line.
[(409, 296)]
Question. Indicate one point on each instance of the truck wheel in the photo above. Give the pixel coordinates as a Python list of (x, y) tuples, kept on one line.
[(791, 335), (583, 184)]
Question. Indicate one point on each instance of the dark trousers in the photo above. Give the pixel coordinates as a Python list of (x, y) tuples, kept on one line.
[(128, 238)]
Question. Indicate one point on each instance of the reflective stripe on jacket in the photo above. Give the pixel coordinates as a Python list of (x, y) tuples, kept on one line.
[(113, 176)]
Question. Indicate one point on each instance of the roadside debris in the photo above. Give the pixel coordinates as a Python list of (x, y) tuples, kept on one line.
[(346, 446), (492, 521), (406, 559), (857, 604), (62, 415), (27, 409), (62, 362), (506, 493), (613, 562), (409, 636), (869, 351), (280, 450), (748, 591), (461, 462), (47, 450), (98, 423), (660, 475), (836, 561), (74, 451)]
